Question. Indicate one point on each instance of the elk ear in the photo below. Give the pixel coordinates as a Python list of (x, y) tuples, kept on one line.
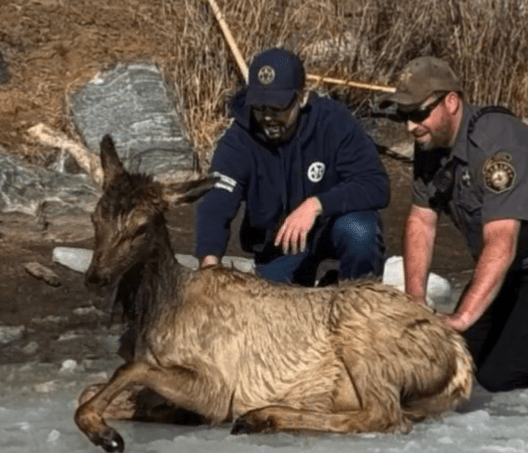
[(112, 166), (189, 191)]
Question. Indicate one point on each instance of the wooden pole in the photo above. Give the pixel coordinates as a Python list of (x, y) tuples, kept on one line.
[(365, 86), (244, 69), (230, 40)]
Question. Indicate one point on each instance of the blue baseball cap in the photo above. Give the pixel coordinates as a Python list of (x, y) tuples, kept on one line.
[(275, 77)]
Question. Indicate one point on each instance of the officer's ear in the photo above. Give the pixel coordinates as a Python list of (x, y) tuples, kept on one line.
[(453, 102)]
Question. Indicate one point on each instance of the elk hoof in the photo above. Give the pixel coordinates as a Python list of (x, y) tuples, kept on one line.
[(110, 441), (248, 424)]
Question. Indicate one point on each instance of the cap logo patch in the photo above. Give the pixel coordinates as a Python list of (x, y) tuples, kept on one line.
[(405, 77), (316, 172), (499, 173), (266, 75)]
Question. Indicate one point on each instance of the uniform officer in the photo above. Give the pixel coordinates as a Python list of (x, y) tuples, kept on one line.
[(310, 178), (472, 164)]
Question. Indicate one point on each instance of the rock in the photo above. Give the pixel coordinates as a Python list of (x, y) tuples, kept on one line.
[(74, 258), (404, 150), (438, 288), (41, 272), (45, 387), (242, 264), (8, 334), (51, 319), (86, 311), (133, 103), (34, 190), (53, 437), (68, 366), (391, 137), (79, 259), (30, 348)]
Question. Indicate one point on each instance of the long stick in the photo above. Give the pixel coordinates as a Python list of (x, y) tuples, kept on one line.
[(244, 69), (366, 86), (230, 40)]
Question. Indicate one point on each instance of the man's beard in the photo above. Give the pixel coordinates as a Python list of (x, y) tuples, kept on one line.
[(440, 138)]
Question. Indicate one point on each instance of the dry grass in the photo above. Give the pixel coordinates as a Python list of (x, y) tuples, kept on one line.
[(53, 46), (486, 42)]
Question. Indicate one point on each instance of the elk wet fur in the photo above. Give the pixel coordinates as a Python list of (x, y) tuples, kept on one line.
[(231, 346)]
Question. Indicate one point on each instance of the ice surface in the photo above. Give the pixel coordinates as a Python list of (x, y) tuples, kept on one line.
[(33, 422)]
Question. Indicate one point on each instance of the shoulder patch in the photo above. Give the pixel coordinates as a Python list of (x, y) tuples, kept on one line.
[(225, 182), (499, 172)]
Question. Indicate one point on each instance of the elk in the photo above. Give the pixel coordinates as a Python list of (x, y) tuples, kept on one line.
[(233, 347)]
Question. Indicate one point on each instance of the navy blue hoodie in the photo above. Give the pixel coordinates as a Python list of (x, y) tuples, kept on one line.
[(329, 156)]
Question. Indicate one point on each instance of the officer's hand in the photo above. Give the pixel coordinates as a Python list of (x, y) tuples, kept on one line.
[(294, 231), (456, 322)]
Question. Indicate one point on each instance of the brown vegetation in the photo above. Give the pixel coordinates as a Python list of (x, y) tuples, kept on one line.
[(231, 346), (52, 46)]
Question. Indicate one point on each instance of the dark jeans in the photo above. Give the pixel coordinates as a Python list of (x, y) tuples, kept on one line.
[(498, 341), (354, 239)]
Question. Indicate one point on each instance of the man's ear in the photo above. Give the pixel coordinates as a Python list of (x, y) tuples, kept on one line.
[(453, 102), (303, 98)]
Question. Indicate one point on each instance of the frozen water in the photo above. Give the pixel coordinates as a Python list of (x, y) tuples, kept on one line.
[(43, 422)]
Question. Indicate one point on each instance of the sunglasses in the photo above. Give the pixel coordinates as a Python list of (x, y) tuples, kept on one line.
[(421, 114), (275, 110)]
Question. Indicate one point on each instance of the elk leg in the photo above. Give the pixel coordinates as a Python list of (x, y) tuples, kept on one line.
[(133, 403), (368, 403), (200, 392), (279, 418), (89, 416)]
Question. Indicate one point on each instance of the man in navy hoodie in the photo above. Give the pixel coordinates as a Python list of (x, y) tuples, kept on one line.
[(310, 177)]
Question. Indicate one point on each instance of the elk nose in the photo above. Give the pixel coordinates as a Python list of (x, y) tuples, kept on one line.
[(92, 279)]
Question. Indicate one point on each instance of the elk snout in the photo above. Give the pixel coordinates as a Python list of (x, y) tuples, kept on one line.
[(94, 280)]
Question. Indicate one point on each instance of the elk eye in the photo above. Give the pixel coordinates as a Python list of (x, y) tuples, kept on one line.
[(141, 231)]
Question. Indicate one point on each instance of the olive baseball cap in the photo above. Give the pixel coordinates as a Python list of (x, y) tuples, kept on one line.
[(419, 79), (275, 77)]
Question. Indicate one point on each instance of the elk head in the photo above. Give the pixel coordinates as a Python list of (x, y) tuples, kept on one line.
[(129, 218)]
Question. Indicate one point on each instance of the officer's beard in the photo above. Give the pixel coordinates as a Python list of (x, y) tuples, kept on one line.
[(439, 138)]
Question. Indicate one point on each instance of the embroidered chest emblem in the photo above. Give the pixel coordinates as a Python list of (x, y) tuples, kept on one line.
[(266, 75), (499, 173), (316, 171), (466, 178)]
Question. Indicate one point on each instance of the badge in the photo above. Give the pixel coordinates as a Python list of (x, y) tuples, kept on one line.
[(316, 171), (499, 173), (266, 75), (466, 178)]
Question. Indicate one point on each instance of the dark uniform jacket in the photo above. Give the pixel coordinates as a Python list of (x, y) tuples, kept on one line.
[(483, 177), (329, 156)]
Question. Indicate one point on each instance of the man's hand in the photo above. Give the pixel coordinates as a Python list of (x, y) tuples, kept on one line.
[(456, 322), (294, 231), (209, 260), (500, 246)]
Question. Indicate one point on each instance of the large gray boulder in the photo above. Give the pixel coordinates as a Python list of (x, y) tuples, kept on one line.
[(133, 103)]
